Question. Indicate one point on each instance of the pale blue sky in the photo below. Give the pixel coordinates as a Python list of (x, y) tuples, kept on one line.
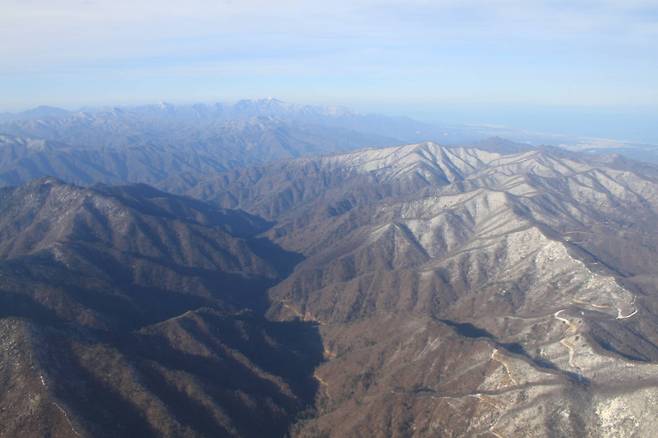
[(425, 56)]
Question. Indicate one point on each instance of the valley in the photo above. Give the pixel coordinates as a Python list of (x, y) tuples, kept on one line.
[(414, 290)]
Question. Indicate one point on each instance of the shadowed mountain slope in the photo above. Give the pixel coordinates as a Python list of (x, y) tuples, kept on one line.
[(122, 314)]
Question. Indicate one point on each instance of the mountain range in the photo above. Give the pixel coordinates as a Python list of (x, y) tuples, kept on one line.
[(253, 270), (461, 292), (156, 143), (150, 143)]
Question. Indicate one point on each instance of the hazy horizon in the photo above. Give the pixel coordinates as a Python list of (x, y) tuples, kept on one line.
[(533, 65), (623, 124)]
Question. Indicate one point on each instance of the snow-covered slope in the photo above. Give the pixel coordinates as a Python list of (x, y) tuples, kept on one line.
[(517, 288)]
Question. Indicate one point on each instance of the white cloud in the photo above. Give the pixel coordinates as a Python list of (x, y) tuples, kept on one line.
[(26, 24), (448, 40)]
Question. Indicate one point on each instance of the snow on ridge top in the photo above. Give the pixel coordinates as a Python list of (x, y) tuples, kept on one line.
[(47, 180), (538, 162), (398, 158)]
